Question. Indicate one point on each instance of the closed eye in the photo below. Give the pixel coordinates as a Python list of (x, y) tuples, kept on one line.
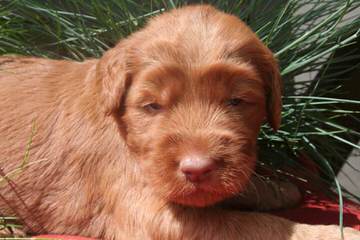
[(233, 102), (152, 107)]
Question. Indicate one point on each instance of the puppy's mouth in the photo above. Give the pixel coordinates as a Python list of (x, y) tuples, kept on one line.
[(199, 197), (200, 178), (207, 192)]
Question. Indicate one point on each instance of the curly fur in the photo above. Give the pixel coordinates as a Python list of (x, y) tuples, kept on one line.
[(102, 164)]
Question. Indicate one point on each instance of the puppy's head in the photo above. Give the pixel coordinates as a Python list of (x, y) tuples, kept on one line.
[(190, 92)]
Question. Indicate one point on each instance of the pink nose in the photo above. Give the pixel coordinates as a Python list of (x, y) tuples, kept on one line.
[(197, 169)]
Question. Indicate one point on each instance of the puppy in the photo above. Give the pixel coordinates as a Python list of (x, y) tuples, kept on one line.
[(144, 142)]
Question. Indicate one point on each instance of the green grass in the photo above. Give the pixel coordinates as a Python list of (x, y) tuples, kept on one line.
[(303, 42)]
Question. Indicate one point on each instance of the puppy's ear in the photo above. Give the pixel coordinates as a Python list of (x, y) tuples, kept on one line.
[(262, 58), (114, 78), (272, 78)]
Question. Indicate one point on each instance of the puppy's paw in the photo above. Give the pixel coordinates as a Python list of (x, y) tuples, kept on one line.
[(351, 234), (266, 195), (324, 232)]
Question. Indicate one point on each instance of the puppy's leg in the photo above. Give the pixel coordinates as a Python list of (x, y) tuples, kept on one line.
[(263, 227), (255, 226), (177, 222), (264, 194), (322, 232)]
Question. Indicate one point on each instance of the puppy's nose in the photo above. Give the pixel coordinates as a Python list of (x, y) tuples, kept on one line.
[(196, 168)]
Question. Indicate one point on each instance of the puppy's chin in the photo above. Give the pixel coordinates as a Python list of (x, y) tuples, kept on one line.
[(233, 166), (208, 193), (200, 198)]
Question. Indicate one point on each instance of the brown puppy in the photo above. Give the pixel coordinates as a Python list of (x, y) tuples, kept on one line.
[(142, 143)]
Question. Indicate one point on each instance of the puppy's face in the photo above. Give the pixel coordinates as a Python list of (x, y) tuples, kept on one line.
[(194, 131), (190, 109)]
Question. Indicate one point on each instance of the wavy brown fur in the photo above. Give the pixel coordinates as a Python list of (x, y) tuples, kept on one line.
[(104, 165)]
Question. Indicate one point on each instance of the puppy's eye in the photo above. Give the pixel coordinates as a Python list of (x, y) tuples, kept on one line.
[(153, 107), (234, 102)]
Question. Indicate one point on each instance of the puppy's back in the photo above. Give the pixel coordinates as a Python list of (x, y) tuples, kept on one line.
[(33, 96), (36, 96)]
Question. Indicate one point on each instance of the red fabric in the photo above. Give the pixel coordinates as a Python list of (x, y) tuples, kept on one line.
[(321, 210)]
